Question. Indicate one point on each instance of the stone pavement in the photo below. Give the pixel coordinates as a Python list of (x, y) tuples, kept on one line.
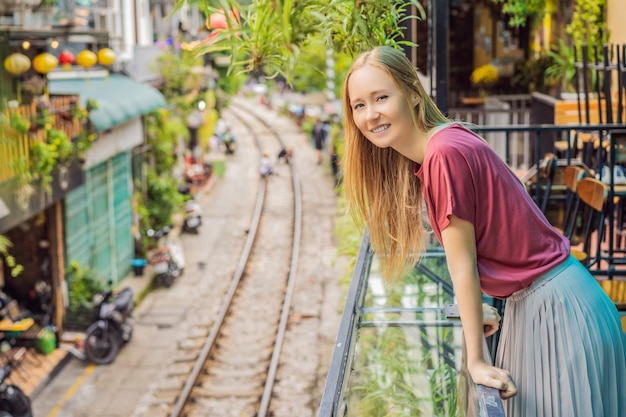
[(166, 315)]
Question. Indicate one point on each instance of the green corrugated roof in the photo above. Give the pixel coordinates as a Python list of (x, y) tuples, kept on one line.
[(120, 98)]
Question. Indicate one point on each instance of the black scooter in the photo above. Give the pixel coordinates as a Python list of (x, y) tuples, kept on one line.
[(113, 326), (193, 213), (13, 401)]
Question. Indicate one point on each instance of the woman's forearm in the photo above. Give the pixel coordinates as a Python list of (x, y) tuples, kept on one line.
[(469, 300)]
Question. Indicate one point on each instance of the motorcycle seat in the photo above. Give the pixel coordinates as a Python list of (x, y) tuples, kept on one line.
[(123, 301)]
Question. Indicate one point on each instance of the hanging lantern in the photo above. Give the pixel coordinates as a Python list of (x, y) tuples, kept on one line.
[(66, 59), (17, 63), (106, 56), (86, 59), (45, 62)]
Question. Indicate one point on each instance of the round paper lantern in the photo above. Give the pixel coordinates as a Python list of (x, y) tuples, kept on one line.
[(106, 56), (86, 58), (45, 62), (66, 59), (17, 63)]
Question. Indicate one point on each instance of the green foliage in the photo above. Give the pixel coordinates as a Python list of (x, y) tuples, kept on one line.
[(162, 132), (562, 69), (83, 284), (520, 11), (43, 119), (43, 159), (144, 222), (46, 155), (355, 26), (588, 25), (61, 143), (310, 74), (162, 199), (14, 266), (19, 123), (91, 104), (56, 148), (444, 389), (271, 37), (532, 74), (397, 377), (180, 77)]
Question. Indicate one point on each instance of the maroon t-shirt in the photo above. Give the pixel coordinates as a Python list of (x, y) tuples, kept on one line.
[(515, 243)]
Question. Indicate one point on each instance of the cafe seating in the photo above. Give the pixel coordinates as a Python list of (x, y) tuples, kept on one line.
[(592, 194)]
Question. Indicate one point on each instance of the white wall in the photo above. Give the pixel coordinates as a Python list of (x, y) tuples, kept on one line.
[(110, 143)]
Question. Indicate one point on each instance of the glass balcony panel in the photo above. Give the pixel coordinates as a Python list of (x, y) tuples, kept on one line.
[(399, 351)]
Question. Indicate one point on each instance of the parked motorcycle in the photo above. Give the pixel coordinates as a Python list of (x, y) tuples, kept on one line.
[(167, 259), (13, 401), (193, 214), (113, 326)]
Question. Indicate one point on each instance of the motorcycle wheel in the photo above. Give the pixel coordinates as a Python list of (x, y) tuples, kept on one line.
[(102, 346), (167, 279)]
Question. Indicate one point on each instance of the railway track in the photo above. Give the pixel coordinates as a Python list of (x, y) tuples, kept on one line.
[(227, 366)]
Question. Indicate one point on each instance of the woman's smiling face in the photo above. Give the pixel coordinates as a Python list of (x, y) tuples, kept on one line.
[(379, 108)]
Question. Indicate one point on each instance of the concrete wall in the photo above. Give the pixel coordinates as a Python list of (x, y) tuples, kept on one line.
[(615, 21)]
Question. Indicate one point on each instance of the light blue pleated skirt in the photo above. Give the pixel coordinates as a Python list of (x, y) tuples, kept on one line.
[(563, 344)]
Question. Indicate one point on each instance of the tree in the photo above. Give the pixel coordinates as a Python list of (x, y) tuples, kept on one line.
[(268, 36), (520, 11)]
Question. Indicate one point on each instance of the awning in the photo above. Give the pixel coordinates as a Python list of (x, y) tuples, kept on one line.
[(120, 98)]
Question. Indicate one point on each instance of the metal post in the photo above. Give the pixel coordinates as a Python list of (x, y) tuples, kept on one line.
[(442, 62)]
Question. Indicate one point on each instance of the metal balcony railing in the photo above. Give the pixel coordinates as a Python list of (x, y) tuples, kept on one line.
[(395, 346), (397, 350)]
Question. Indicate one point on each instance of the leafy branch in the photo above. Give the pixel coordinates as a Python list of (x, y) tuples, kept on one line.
[(14, 266)]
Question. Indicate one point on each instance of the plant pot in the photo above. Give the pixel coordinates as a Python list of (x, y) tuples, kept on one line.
[(138, 265)]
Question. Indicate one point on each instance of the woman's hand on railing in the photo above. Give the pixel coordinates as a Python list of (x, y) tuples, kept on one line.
[(491, 319), (484, 374)]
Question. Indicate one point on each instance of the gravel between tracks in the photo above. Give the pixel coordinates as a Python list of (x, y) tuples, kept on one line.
[(318, 296)]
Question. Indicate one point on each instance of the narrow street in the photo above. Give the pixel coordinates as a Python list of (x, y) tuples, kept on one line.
[(166, 317)]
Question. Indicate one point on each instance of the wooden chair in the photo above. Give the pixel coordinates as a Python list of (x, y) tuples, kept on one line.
[(572, 174), (548, 169), (592, 193)]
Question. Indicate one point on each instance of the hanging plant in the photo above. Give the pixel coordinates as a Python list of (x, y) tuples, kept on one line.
[(91, 105), (43, 160), (14, 266), (19, 123), (34, 85), (60, 143), (43, 119)]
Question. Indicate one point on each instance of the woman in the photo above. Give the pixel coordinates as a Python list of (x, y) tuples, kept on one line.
[(561, 350)]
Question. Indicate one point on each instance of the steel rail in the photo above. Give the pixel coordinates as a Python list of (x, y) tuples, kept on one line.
[(193, 378), (183, 398), (291, 281)]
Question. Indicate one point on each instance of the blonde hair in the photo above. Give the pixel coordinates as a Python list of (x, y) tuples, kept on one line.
[(381, 188)]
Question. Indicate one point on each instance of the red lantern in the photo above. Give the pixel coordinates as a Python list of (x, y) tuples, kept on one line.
[(66, 59)]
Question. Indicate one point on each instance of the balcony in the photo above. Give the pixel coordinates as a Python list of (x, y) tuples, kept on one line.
[(40, 151), (396, 346), (399, 348)]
